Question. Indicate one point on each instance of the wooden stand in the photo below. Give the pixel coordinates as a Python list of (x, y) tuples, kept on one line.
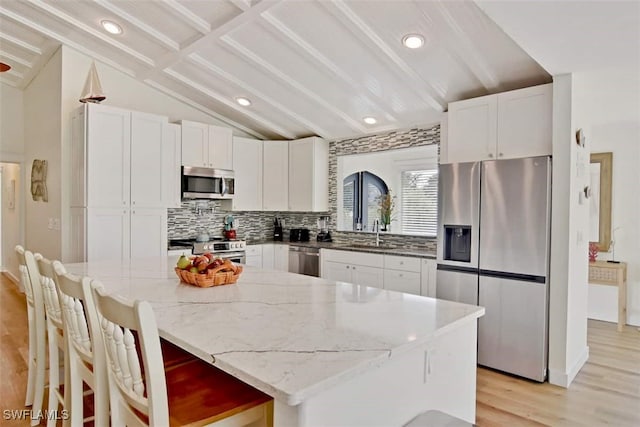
[(612, 274)]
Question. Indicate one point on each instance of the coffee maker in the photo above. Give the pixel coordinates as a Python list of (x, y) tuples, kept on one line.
[(323, 230)]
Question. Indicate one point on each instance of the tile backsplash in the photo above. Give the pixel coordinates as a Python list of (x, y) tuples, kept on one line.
[(188, 222)]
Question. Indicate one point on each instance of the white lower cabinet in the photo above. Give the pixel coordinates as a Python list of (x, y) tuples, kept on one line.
[(395, 273), (268, 256), (428, 277), (281, 257), (402, 274), (352, 267), (254, 255), (118, 234)]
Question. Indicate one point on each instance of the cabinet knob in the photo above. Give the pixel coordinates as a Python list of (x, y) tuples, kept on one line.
[(354, 267), (401, 262), (500, 155), (133, 203), (491, 155), (348, 267)]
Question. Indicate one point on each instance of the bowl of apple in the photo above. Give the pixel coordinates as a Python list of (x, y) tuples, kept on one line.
[(206, 270)]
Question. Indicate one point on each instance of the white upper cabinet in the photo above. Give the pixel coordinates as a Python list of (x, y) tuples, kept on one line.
[(309, 175), (206, 145), (172, 175), (247, 165), (152, 157), (220, 147), (108, 151), (507, 125), (195, 144), (275, 182)]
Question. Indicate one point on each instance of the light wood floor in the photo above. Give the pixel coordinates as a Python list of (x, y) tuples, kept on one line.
[(605, 392)]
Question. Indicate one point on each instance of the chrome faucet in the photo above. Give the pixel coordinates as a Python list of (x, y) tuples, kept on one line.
[(376, 228)]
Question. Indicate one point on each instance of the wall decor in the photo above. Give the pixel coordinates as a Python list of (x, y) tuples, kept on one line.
[(92, 91), (600, 200), (39, 180)]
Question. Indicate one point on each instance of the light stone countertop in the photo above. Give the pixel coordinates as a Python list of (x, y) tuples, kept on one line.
[(288, 335), (389, 250)]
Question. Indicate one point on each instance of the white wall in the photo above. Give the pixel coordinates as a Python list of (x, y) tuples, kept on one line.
[(11, 122), (42, 141), (568, 349), (609, 101)]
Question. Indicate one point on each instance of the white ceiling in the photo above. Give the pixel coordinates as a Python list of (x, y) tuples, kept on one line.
[(309, 67)]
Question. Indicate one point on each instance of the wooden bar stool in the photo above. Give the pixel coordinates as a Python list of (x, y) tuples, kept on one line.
[(30, 278), (85, 349), (143, 393)]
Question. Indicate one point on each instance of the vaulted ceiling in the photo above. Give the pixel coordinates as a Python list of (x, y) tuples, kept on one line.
[(308, 67)]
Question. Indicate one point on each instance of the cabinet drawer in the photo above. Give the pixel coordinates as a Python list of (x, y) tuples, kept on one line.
[(392, 262), (402, 281), (253, 250), (349, 257)]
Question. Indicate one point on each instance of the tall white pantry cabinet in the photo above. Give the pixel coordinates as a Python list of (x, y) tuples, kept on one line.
[(123, 180)]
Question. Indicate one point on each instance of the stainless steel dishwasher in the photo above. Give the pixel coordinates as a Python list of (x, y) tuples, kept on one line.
[(304, 260)]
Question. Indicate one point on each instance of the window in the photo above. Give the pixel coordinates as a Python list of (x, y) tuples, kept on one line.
[(360, 192), (420, 202)]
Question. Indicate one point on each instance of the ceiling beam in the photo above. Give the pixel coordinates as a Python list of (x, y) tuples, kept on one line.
[(155, 34), (20, 43), (231, 104), (431, 95), (15, 59), (204, 109), (172, 58), (316, 55), (255, 92), (243, 5), (187, 16), (460, 45), (57, 13), (61, 39)]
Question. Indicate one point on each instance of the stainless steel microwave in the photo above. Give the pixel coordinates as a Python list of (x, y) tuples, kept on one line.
[(207, 183)]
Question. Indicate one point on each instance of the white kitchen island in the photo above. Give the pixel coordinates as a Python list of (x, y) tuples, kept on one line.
[(331, 354)]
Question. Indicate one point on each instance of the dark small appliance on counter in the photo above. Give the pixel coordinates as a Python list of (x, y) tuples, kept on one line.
[(299, 235), (324, 235), (277, 230)]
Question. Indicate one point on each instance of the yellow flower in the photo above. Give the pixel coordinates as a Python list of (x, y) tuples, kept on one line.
[(387, 204)]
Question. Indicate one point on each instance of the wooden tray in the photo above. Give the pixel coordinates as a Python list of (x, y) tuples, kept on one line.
[(213, 277)]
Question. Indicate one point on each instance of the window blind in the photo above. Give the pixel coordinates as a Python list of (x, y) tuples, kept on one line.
[(420, 202)]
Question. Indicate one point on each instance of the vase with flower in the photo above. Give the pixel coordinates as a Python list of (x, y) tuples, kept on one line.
[(593, 252), (387, 204)]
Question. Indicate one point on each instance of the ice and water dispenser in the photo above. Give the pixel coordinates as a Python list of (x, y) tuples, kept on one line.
[(457, 243)]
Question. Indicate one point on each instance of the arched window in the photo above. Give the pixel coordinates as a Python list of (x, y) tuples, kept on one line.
[(360, 197)]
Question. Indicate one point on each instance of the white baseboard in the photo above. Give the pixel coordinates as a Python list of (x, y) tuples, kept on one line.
[(564, 379)]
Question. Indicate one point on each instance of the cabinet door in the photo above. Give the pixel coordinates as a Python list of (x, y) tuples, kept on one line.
[(171, 175), (254, 260), (428, 278), (78, 159), (275, 183), (402, 281), (150, 161), (337, 271), (220, 147), (107, 234), (308, 175), (368, 276), (247, 164), (281, 257), (195, 144), (108, 156), (148, 233), (472, 130), (78, 244), (524, 122), (268, 255)]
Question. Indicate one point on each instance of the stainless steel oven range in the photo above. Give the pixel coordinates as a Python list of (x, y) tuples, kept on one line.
[(234, 250)]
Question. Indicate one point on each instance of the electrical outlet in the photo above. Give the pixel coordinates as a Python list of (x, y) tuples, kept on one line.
[(56, 224), (50, 223)]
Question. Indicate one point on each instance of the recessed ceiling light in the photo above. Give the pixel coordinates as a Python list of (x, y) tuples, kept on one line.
[(243, 101), (370, 120), (413, 41), (111, 27)]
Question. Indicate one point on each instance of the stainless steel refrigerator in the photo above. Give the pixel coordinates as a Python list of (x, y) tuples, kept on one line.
[(493, 251)]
